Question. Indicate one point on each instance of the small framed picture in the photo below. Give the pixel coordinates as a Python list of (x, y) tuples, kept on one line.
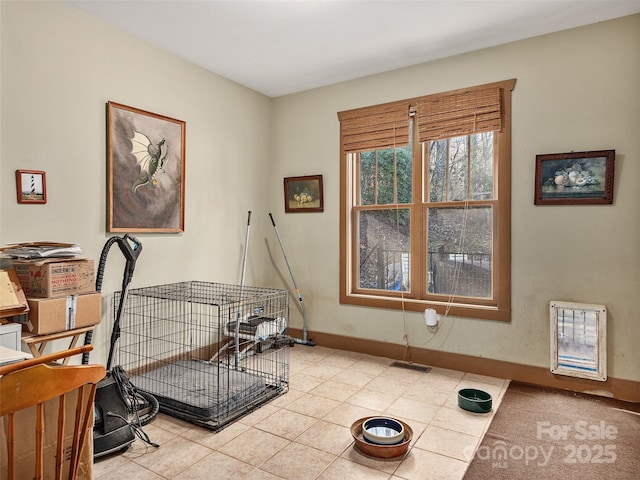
[(574, 178), (303, 194), (31, 186)]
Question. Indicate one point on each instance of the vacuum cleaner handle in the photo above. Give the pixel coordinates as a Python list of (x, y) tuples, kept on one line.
[(131, 249)]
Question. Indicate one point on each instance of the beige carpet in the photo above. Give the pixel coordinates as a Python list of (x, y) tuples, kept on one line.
[(543, 433)]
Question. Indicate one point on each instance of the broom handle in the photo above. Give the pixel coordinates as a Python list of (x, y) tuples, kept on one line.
[(286, 260)]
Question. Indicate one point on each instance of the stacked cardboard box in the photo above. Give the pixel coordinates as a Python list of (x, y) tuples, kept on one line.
[(60, 293), (54, 277)]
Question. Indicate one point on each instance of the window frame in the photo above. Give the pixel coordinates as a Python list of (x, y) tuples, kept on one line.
[(499, 307)]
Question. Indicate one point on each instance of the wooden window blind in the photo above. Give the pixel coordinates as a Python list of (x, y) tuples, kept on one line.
[(377, 127), (459, 113)]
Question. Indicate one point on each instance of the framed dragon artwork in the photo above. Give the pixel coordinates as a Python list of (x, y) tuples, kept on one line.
[(145, 170)]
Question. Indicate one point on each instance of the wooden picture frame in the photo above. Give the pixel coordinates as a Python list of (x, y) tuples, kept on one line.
[(303, 194), (575, 178), (145, 171), (31, 186)]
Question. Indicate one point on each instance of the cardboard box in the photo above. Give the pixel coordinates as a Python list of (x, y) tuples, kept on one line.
[(26, 440), (51, 315), (53, 277)]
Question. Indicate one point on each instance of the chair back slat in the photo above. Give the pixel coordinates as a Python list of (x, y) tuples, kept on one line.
[(11, 445), (60, 436), (74, 388), (40, 441)]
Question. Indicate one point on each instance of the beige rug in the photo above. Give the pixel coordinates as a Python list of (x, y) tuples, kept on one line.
[(544, 433)]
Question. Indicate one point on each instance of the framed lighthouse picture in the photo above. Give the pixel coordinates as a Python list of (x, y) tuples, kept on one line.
[(31, 186), (145, 171)]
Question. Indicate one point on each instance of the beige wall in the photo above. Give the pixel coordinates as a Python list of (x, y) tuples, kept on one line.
[(59, 68), (575, 90)]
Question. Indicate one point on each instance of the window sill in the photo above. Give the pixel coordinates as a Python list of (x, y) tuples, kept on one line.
[(483, 312)]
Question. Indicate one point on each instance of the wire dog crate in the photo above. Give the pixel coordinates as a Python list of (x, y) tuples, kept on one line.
[(208, 352)]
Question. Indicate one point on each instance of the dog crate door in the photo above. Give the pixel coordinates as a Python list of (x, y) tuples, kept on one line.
[(579, 340)]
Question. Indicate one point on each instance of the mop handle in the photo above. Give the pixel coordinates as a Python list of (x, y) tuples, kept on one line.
[(244, 266), (244, 257)]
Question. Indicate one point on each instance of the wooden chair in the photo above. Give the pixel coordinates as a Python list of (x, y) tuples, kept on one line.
[(30, 388)]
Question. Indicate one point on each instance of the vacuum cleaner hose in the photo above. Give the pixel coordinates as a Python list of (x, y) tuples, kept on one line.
[(155, 408), (142, 406), (99, 274), (130, 248)]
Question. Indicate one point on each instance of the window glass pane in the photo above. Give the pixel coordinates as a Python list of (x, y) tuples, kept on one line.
[(459, 245), (385, 176), (458, 168), (367, 177), (404, 172), (437, 170), (482, 166), (384, 249)]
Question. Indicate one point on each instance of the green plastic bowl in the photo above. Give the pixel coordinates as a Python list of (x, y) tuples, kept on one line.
[(473, 400)]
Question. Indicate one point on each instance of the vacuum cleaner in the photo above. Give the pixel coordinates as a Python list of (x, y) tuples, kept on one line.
[(117, 400)]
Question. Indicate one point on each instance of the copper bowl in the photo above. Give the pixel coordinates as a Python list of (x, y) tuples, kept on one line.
[(380, 451)]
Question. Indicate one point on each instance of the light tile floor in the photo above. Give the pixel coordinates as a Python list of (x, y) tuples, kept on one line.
[(305, 433)]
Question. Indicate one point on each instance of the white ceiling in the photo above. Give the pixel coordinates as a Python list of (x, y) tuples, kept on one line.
[(282, 47)]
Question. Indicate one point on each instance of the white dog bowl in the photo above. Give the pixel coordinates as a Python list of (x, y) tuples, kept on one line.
[(382, 431)]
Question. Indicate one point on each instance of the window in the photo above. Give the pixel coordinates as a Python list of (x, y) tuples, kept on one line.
[(425, 203)]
